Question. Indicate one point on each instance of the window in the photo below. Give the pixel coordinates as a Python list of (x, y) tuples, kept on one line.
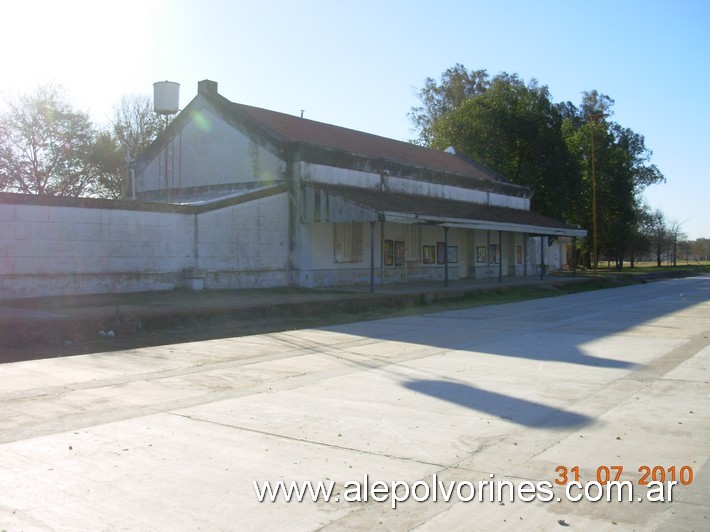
[(393, 253), (316, 207), (412, 242), (428, 254), (348, 242), (493, 254), (388, 253)]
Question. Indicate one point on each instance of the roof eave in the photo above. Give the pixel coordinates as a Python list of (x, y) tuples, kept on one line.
[(484, 225)]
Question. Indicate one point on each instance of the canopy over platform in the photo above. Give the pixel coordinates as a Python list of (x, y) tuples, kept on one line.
[(342, 204)]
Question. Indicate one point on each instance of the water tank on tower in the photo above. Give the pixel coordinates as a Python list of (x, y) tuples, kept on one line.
[(166, 97)]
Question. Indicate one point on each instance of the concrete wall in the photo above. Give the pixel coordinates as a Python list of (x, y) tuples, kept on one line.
[(435, 190), (316, 258), (245, 245), (311, 172), (519, 255), (555, 255), (208, 151), (48, 250), (94, 246), (318, 173), (318, 266)]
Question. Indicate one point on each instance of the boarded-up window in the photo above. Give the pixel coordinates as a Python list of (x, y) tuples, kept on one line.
[(348, 242), (413, 242)]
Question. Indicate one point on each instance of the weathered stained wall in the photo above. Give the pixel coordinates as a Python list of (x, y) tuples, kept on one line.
[(88, 246), (207, 152), (317, 173), (245, 245), (318, 268), (554, 252), (51, 249)]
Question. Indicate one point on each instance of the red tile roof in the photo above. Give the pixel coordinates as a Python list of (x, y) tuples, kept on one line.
[(427, 208), (302, 130)]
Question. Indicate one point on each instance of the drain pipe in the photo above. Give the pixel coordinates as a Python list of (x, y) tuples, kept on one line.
[(446, 257), (372, 257), (500, 257)]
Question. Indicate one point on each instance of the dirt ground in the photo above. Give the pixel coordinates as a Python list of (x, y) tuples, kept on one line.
[(36, 340)]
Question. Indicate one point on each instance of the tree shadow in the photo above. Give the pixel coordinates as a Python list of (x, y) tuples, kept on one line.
[(566, 349), (520, 411)]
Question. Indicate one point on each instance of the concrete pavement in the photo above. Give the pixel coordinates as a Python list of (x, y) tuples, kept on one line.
[(70, 324), (172, 437)]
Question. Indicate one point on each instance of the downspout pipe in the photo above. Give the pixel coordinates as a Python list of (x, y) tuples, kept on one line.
[(446, 257), (372, 257)]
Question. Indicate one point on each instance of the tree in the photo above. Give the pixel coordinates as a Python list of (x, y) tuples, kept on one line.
[(457, 85), (132, 129), (621, 172), (45, 145), (135, 125), (640, 242), (109, 163), (513, 128), (700, 248), (659, 233), (676, 239)]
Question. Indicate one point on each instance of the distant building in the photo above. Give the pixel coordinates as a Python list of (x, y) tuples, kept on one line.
[(325, 205), (233, 196)]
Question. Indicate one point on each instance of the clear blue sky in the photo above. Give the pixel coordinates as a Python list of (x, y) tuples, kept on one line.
[(358, 63)]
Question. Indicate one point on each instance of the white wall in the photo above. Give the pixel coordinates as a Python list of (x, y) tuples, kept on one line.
[(555, 255), (436, 190), (316, 257), (311, 172), (209, 151), (318, 267), (512, 202), (245, 245), (57, 249)]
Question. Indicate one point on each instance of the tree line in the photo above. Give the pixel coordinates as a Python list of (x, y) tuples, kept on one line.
[(569, 155), (49, 147)]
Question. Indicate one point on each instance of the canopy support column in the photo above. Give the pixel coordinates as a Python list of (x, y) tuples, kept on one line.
[(500, 256), (574, 256), (372, 257), (446, 257)]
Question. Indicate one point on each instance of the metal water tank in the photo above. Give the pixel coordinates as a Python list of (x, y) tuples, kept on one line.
[(166, 97)]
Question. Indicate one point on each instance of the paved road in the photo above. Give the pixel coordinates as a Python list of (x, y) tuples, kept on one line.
[(172, 437)]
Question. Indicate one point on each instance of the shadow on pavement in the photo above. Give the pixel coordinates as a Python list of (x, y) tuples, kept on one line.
[(520, 411)]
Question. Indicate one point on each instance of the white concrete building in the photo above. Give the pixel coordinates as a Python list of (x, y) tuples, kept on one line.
[(235, 196), (359, 208)]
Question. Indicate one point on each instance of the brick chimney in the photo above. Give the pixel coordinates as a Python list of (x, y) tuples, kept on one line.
[(206, 87)]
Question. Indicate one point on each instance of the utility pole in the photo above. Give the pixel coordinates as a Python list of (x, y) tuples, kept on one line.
[(592, 119)]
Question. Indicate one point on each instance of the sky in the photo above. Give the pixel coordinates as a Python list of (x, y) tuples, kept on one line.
[(359, 64)]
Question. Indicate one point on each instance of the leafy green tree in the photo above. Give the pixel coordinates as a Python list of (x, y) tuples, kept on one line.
[(45, 145), (457, 86), (639, 242), (621, 173), (513, 128)]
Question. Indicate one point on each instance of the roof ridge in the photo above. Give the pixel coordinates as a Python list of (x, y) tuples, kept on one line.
[(292, 128)]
